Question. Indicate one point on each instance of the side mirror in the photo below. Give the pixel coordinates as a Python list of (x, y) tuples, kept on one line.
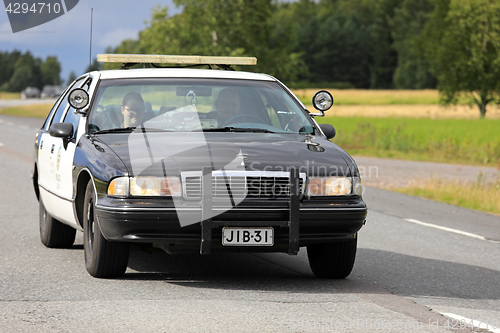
[(328, 130), (61, 130), (78, 99)]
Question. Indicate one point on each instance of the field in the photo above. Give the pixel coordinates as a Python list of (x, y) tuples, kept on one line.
[(34, 111), (373, 97), (9, 95), (395, 103), (474, 141)]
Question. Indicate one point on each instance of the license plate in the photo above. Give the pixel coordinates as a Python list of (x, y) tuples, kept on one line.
[(248, 236)]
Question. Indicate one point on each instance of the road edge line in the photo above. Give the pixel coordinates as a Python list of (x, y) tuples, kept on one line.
[(456, 231)]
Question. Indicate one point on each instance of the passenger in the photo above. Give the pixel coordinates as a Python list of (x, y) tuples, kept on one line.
[(132, 109)]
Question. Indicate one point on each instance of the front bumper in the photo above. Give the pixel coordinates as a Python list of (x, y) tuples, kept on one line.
[(296, 223)]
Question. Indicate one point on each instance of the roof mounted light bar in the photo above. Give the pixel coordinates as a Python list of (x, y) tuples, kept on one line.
[(129, 60)]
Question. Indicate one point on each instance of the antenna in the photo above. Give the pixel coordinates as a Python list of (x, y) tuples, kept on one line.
[(90, 53)]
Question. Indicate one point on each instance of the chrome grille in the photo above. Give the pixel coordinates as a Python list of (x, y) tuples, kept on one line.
[(251, 184)]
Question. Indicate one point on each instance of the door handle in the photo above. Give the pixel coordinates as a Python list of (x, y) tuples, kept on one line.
[(52, 149)]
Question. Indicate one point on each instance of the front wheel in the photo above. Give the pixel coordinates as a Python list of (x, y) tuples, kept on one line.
[(53, 233), (332, 260), (103, 259)]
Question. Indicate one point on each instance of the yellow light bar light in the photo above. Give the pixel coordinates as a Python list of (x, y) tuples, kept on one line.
[(175, 59)]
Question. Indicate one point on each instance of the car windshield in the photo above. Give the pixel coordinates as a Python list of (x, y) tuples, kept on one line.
[(187, 105)]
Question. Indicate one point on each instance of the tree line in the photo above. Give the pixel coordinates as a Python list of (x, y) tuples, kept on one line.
[(20, 70), (349, 43), (452, 45)]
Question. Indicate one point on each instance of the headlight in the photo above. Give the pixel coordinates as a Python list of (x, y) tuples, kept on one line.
[(323, 186), (145, 186), (119, 186)]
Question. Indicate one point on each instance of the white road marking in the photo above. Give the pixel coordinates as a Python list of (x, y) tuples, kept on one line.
[(492, 327), (1, 144), (463, 233)]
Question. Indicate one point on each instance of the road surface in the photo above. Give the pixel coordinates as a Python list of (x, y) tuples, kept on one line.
[(421, 267)]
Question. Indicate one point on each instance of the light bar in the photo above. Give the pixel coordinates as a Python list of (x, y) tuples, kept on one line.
[(175, 59)]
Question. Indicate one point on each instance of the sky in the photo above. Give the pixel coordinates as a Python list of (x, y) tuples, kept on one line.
[(68, 36)]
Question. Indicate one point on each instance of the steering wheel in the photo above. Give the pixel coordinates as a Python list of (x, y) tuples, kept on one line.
[(243, 115)]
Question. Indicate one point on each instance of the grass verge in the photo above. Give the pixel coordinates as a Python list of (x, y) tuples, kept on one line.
[(473, 142), (32, 111), (9, 95), (479, 196)]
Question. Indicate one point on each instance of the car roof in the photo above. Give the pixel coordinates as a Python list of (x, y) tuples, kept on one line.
[(182, 73)]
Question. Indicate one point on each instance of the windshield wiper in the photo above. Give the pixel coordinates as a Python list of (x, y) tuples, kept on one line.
[(116, 130), (131, 129), (235, 129)]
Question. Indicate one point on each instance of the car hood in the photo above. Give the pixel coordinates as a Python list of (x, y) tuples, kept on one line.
[(171, 153)]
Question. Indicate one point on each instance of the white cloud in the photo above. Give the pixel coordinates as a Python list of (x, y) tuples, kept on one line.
[(115, 37)]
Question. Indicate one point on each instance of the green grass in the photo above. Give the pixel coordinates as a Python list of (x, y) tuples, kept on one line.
[(479, 196), (475, 142), (33, 111)]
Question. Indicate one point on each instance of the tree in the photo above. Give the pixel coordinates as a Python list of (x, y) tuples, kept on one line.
[(223, 28), (19, 71), (8, 61), (412, 71), (23, 77), (340, 50), (26, 73), (51, 70), (384, 56), (462, 44)]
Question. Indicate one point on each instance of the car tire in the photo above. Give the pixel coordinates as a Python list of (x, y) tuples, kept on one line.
[(53, 233), (332, 260), (103, 259)]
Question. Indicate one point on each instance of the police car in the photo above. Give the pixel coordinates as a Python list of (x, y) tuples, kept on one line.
[(196, 160)]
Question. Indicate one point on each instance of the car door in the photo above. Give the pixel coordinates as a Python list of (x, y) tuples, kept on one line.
[(56, 162)]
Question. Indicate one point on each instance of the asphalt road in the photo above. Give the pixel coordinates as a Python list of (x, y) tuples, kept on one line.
[(416, 260)]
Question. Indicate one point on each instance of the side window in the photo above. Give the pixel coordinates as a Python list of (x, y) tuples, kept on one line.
[(60, 110), (73, 118), (45, 123), (70, 117)]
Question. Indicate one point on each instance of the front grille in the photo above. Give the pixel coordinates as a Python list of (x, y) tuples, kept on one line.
[(250, 184)]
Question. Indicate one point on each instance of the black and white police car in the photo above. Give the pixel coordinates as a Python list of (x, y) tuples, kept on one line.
[(194, 160)]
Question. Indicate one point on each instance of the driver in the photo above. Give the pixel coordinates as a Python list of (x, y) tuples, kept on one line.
[(227, 105), (132, 109)]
